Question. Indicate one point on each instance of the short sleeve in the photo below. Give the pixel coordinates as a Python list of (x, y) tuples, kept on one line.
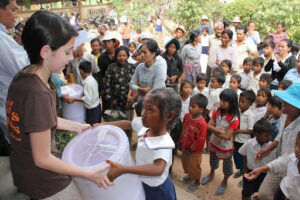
[(214, 115), (251, 121), (164, 154), (243, 149), (252, 47), (39, 113), (234, 124)]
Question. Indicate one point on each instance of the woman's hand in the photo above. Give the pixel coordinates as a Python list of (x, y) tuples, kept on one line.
[(99, 177), (173, 78), (115, 171), (144, 91), (79, 127)]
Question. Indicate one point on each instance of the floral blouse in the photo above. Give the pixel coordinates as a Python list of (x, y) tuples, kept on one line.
[(116, 85)]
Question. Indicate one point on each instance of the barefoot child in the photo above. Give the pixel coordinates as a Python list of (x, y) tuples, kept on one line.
[(161, 107), (222, 124), (193, 139)]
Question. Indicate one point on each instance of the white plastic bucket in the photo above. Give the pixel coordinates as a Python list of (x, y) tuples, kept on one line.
[(90, 149), (76, 110)]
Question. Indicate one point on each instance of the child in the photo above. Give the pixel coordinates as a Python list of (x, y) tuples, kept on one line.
[(226, 65), (284, 84), (185, 91), (201, 83), (246, 73), (193, 139), (161, 107), (243, 134), (258, 64), (273, 114), (90, 94), (223, 122), (205, 41), (265, 81), (132, 49), (235, 83), (261, 103), (263, 131), (216, 82), (268, 49), (289, 186)]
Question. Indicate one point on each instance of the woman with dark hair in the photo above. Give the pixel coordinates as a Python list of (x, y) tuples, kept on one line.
[(279, 35), (282, 63), (150, 74), (31, 112), (223, 51), (174, 63), (96, 48), (190, 56), (117, 78), (78, 24)]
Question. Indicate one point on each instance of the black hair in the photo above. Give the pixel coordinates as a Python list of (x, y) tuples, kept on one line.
[(228, 32), (230, 96), (45, 28), (295, 49), (226, 23), (193, 35), (205, 28), (237, 77), (121, 48), (152, 46), (269, 44), (78, 14), (4, 3), (249, 95), (266, 91), (262, 126), (282, 24), (200, 100), (96, 39), (183, 82), (227, 62), (85, 66), (247, 60), (250, 22), (269, 37), (275, 101), (201, 77), (219, 77), (132, 43), (288, 42), (218, 70), (267, 77), (241, 27), (259, 61), (168, 100), (285, 84)]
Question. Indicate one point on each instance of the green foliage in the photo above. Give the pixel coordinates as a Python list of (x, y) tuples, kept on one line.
[(62, 138), (266, 14), (189, 12)]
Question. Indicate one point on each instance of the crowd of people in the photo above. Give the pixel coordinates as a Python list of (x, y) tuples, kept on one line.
[(241, 106)]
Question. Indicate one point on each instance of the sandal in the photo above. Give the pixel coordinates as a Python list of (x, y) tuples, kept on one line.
[(240, 185), (186, 179), (205, 180), (193, 187), (220, 191)]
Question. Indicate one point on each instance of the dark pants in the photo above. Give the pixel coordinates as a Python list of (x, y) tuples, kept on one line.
[(138, 108), (250, 187), (4, 146), (273, 87), (279, 195), (208, 75), (165, 191), (93, 115), (237, 157)]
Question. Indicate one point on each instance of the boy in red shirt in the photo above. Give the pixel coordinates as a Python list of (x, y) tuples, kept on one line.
[(192, 140)]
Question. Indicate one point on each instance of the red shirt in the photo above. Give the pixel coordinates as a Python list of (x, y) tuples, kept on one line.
[(193, 134)]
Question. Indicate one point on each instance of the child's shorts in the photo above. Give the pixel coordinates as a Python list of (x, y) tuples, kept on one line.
[(250, 187), (165, 191)]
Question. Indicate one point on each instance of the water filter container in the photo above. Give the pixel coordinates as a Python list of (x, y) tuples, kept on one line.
[(90, 149), (74, 111)]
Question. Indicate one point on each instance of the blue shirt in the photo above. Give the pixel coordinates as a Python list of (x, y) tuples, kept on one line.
[(275, 125), (292, 75), (206, 26), (13, 58)]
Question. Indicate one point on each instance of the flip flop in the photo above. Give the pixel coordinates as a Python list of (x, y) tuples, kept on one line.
[(240, 185), (193, 188), (205, 180), (220, 191), (186, 179)]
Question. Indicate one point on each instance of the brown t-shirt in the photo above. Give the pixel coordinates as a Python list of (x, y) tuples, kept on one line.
[(31, 107)]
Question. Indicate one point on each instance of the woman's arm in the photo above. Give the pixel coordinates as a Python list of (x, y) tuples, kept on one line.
[(68, 125), (155, 169), (42, 157)]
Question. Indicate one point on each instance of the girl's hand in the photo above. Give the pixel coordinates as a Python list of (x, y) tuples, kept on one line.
[(79, 128), (253, 174), (115, 171), (99, 177), (260, 155)]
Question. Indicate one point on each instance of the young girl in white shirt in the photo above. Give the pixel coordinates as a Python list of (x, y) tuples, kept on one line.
[(161, 108), (185, 91)]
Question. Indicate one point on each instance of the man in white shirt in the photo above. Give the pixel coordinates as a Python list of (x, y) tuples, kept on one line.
[(243, 46), (13, 58)]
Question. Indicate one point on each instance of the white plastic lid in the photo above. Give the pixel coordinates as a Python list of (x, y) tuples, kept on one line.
[(93, 147), (73, 90)]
